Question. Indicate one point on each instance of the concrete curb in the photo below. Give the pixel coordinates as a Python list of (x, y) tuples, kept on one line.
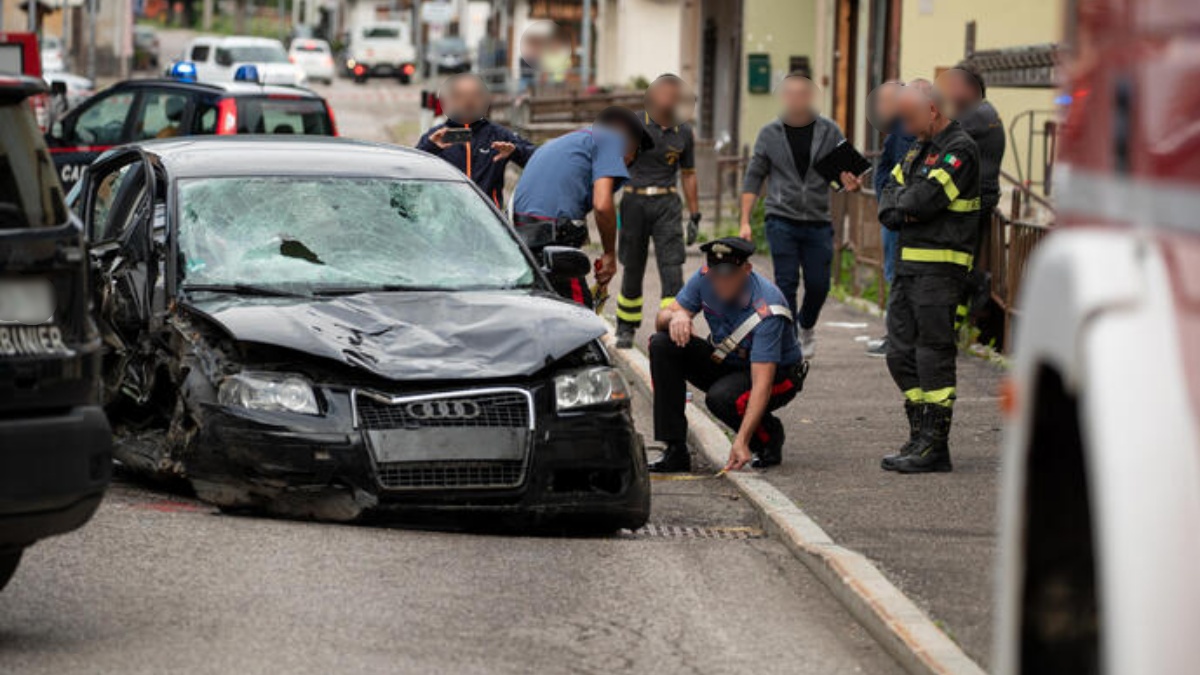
[(891, 617)]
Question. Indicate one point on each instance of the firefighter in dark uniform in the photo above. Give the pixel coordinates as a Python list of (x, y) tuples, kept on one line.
[(965, 94), (934, 203), (650, 208), (750, 366)]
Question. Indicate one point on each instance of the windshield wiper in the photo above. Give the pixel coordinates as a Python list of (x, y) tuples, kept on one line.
[(381, 288), (247, 289)]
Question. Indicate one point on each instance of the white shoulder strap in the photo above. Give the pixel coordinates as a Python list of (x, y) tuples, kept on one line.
[(743, 331)]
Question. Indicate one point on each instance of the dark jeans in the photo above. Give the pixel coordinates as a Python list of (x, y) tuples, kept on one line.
[(727, 388), (808, 247)]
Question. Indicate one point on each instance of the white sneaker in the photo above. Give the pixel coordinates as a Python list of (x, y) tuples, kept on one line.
[(808, 342)]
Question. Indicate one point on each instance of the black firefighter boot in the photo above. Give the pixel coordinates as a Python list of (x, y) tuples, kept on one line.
[(932, 452), (675, 459), (914, 413), (625, 333)]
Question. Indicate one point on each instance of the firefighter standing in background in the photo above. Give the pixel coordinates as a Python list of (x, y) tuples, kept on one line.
[(651, 209), (934, 203), (965, 95)]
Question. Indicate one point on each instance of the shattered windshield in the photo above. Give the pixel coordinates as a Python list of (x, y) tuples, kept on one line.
[(343, 235)]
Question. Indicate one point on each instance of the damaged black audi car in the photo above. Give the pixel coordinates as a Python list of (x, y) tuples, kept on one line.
[(327, 328)]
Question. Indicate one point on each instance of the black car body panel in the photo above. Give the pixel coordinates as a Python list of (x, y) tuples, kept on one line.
[(55, 443), (425, 399), (429, 336)]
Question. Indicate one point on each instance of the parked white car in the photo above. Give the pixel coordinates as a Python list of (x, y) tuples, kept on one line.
[(382, 49), (53, 54), (217, 59), (314, 57)]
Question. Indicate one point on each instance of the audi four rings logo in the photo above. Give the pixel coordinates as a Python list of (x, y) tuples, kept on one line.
[(443, 410)]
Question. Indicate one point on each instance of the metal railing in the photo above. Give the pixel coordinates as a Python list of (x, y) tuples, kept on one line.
[(1004, 254)]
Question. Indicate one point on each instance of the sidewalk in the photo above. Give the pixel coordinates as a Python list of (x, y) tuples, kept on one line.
[(932, 535)]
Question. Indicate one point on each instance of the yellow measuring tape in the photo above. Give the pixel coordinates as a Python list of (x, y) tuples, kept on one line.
[(687, 476)]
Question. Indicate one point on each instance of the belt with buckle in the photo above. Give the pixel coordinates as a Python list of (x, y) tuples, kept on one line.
[(653, 190)]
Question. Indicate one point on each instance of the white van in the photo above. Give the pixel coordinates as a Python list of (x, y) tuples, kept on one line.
[(217, 59), (382, 49)]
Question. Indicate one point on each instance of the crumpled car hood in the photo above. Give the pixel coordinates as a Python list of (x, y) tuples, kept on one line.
[(414, 335)]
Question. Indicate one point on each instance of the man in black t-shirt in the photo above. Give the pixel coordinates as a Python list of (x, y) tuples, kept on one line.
[(799, 226)]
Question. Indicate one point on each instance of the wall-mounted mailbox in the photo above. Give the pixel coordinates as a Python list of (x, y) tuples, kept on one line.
[(759, 79)]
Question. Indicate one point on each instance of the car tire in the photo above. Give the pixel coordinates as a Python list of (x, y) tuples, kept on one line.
[(360, 79), (9, 559), (404, 79)]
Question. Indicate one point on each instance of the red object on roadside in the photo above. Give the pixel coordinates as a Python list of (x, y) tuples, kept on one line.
[(22, 48)]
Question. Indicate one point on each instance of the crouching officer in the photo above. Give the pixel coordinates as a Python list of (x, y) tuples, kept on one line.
[(749, 366), (650, 208), (934, 203)]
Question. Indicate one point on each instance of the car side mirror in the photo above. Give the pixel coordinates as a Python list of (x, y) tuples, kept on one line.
[(58, 88), (564, 261)]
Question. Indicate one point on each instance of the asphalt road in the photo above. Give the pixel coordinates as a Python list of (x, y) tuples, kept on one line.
[(159, 582), (162, 583)]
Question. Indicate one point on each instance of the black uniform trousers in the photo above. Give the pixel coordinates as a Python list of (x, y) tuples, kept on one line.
[(646, 217), (727, 388), (922, 340)]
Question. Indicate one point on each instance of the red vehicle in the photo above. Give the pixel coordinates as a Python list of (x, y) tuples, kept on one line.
[(20, 55), (1101, 491)]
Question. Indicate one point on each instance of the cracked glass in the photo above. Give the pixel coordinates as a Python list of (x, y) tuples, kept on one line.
[(344, 235)]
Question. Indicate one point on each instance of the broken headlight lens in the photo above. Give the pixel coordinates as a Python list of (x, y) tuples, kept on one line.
[(279, 392), (589, 386)]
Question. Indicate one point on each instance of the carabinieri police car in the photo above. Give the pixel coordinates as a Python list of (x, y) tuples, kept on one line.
[(138, 110)]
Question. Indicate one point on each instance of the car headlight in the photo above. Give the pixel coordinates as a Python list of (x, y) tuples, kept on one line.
[(580, 388), (280, 392)]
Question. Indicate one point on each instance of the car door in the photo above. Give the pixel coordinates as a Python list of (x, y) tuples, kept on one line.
[(121, 206), (95, 126)]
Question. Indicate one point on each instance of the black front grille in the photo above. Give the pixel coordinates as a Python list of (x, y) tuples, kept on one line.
[(416, 475), (496, 410)]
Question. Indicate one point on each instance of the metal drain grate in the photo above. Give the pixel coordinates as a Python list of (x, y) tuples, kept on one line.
[(697, 532)]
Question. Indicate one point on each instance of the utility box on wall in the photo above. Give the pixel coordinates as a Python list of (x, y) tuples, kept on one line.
[(759, 79)]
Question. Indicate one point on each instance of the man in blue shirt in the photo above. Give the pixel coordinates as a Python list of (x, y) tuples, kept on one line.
[(573, 175), (485, 157), (750, 365)]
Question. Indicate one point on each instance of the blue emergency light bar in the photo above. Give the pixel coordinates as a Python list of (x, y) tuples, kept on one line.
[(246, 73), (184, 71)]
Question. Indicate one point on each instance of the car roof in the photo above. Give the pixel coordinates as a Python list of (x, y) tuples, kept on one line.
[(226, 88), (233, 40), (316, 156), (18, 87)]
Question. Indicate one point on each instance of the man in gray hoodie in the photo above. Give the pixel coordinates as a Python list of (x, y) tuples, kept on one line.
[(798, 224)]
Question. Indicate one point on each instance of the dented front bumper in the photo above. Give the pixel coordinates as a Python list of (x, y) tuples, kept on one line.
[(589, 463)]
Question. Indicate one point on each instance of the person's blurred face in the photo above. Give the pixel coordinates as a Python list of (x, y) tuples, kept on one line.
[(664, 96), (959, 92), (796, 96), (468, 100), (885, 101), (917, 113), (729, 287)]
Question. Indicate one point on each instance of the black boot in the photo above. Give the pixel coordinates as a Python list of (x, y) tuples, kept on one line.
[(932, 452), (772, 452), (625, 333), (914, 413), (675, 459)]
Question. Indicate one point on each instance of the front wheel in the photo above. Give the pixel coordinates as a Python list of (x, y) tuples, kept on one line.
[(9, 560)]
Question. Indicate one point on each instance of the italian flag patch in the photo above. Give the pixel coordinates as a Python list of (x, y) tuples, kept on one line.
[(952, 160)]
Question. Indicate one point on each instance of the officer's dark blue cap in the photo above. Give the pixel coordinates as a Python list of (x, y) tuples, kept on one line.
[(727, 254)]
